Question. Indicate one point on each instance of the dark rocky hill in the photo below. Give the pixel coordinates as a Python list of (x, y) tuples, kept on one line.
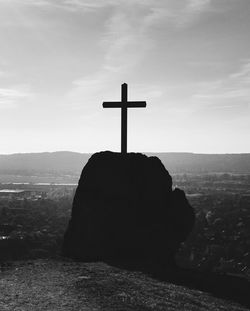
[(124, 208)]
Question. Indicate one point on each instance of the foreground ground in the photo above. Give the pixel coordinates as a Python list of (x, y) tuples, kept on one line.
[(65, 285)]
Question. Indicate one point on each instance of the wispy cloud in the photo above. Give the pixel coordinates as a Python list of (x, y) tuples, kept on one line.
[(198, 5), (180, 12), (193, 10), (124, 45), (11, 97), (70, 5), (232, 91), (243, 75), (126, 39)]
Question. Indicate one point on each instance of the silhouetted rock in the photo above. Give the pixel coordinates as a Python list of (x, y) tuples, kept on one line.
[(124, 209)]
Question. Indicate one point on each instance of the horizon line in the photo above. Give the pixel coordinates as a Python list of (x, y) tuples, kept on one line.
[(143, 152)]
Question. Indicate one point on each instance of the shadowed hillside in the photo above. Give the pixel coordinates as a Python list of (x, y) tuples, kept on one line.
[(65, 285)]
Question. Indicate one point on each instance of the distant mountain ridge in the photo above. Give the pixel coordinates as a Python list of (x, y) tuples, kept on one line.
[(175, 162), (59, 161)]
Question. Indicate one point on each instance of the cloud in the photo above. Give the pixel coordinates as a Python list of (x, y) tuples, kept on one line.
[(124, 45), (243, 75), (127, 40), (11, 97), (198, 5), (177, 12), (70, 5), (190, 12), (232, 91)]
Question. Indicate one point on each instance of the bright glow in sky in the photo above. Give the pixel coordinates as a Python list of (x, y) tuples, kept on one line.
[(189, 59)]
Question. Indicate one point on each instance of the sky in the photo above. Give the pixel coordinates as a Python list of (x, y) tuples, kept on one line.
[(188, 59)]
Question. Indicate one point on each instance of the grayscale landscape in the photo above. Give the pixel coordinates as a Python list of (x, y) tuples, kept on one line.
[(124, 155)]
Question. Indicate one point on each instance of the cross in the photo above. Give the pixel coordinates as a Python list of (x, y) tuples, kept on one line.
[(124, 104)]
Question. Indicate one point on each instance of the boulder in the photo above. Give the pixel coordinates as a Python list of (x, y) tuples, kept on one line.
[(125, 209)]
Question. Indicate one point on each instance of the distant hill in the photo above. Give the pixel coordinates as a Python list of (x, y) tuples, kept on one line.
[(60, 161), (206, 163), (73, 162)]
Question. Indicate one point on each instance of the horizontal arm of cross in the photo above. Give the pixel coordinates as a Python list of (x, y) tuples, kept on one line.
[(136, 104)]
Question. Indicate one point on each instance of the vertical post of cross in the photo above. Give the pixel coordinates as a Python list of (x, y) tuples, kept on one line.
[(124, 117), (124, 104)]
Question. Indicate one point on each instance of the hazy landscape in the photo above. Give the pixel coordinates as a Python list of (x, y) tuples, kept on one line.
[(35, 206), (185, 66), (65, 167)]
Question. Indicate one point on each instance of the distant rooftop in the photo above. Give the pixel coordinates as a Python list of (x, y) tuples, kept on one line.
[(11, 191)]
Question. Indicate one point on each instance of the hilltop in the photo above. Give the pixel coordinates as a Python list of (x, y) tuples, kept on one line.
[(66, 285)]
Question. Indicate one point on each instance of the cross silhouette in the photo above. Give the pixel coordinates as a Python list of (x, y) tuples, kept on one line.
[(124, 104)]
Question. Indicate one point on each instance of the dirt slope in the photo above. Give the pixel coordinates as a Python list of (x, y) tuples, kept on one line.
[(64, 285)]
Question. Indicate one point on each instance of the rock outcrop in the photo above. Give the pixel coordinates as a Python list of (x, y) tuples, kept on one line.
[(125, 209)]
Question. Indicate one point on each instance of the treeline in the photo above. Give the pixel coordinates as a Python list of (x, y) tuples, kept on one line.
[(32, 229), (220, 240)]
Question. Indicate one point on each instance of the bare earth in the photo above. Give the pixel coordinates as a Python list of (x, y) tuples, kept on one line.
[(65, 285)]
